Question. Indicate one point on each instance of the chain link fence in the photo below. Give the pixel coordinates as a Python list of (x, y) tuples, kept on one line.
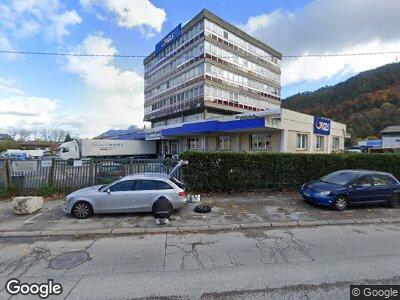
[(59, 174)]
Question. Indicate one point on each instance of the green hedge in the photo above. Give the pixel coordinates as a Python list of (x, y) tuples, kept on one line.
[(228, 172)]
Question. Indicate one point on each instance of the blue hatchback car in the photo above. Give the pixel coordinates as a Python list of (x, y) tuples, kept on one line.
[(341, 188)]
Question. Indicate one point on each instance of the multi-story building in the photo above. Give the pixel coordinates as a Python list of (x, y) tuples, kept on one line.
[(206, 69), (209, 86)]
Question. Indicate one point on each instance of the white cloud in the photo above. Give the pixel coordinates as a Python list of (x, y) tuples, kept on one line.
[(130, 14), (330, 26), (7, 87), (101, 72), (62, 21), (117, 95), (114, 99), (5, 44), (34, 113), (21, 19)]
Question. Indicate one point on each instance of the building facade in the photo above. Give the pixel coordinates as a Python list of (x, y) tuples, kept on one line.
[(208, 69), (390, 137), (209, 86), (279, 130)]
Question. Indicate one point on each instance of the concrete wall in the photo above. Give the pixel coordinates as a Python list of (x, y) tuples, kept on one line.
[(296, 123), (391, 141)]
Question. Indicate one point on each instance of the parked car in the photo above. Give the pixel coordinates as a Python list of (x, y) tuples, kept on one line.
[(342, 188), (353, 150), (132, 193)]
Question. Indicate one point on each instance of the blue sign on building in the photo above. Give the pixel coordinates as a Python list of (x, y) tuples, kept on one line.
[(168, 39), (322, 126)]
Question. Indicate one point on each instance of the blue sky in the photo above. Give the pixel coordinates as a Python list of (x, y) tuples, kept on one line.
[(91, 95)]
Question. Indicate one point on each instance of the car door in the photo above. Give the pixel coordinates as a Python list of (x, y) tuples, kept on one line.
[(360, 189), (383, 187), (118, 197), (145, 194)]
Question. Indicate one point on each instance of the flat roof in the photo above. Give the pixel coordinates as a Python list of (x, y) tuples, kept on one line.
[(206, 14), (391, 129)]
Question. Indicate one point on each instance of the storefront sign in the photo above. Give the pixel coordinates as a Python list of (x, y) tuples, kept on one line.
[(169, 39), (24, 166), (47, 163), (153, 136), (77, 163), (322, 126)]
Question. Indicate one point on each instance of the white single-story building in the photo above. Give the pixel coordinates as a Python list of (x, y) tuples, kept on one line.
[(275, 130)]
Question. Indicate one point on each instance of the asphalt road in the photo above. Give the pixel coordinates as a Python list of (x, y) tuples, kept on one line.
[(306, 263)]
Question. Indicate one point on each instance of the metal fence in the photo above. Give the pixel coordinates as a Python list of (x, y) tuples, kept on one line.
[(34, 174)]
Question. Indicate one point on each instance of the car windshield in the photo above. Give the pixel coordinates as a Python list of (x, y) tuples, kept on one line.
[(101, 188), (340, 178)]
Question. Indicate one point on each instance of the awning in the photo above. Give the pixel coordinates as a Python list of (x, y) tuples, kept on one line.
[(214, 126)]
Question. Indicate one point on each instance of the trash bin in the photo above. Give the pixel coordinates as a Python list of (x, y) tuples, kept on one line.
[(17, 181)]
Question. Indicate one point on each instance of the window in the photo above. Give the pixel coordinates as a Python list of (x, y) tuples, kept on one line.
[(178, 183), (261, 141), (224, 142), (123, 186), (335, 143), (364, 181), (381, 180), (340, 177), (193, 143), (320, 142), (146, 185), (302, 141), (164, 186)]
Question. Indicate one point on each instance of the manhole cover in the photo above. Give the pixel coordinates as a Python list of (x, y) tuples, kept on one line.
[(69, 260)]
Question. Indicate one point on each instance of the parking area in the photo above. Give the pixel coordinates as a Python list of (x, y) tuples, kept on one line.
[(226, 209)]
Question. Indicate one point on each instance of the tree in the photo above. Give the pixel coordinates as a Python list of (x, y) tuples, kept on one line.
[(8, 144), (67, 138)]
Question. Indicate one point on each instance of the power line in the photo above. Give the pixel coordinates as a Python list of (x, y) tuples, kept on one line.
[(70, 54), (143, 56), (342, 54)]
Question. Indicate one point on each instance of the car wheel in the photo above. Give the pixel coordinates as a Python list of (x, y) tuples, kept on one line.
[(340, 203), (395, 203), (82, 210), (202, 209)]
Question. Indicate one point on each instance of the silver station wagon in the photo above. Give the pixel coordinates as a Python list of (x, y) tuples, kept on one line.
[(132, 193)]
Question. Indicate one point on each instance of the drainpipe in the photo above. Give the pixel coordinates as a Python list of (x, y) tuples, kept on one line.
[(205, 143), (284, 140)]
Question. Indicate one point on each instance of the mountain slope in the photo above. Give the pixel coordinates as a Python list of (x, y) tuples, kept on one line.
[(115, 132), (367, 102)]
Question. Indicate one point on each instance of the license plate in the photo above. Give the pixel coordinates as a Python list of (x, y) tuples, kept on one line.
[(307, 194)]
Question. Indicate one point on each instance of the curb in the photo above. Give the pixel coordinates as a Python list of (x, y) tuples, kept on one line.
[(193, 229)]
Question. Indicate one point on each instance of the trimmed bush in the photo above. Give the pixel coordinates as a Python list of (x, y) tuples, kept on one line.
[(236, 172)]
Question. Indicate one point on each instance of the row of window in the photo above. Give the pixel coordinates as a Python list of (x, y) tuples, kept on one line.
[(139, 185), (374, 180), (186, 76), (174, 64), (178, 98), (234, 39), (302, 142), (262, 141), (212, 93), (239, 80), (187, 36), (241, 63), (258, 141)]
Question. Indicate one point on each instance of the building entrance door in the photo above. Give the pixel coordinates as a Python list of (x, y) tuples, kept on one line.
[(173, 147)]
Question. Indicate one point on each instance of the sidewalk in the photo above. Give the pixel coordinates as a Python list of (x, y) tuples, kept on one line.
[(229, 212)]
